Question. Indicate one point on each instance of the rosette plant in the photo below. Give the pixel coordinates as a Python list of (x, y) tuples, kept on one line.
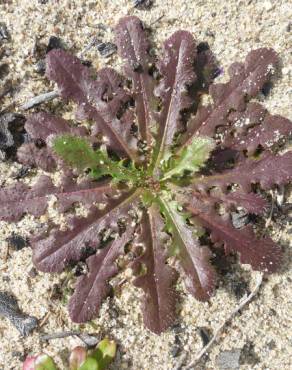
[(158, 171)]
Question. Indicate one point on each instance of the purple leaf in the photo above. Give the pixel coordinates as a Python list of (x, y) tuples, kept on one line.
[(267, 171), (42, 127), (92, 289), (261, 253), (256, 128), (98, 99), (133, 47), (252, 202), (246, 81), (178, 73), (159, 299), (20, 199), (61, 248)]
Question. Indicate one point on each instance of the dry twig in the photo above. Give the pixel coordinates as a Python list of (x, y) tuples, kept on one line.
[(215, 338), (89, 340), (39, 99)]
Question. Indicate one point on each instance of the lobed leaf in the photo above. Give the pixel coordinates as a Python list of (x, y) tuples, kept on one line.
[(99, 100), (261, 253), (133, 47), (78, 153), (267, 171), (191, 159), (256, 129), (19, 199), (41, 127), (178, 74), (193, 259), (159, 299), (251, 202), (246, 81), (61, 248), (91, 290)]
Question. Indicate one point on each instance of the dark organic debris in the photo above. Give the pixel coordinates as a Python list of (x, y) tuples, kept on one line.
[(106, 49), (12, 134), (205, 335), (143, 4), (267, 88), (177, 346), (9, 309), (22, 172), (4, 69), (17, 242), (249, 355), (55, 43), (238, 286), (4, 34)]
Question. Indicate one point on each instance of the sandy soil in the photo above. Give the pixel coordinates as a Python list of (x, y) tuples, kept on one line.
[(261, 331)]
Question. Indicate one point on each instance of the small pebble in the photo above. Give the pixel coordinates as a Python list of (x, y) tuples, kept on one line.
[(106, 49), (143, 4), (40, 67), (228, 360), (32, 272), (239, 219)]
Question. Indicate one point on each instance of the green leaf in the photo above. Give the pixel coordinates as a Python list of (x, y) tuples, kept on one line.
[(78, 153), (176, 222), (44, 362), (90, 364), (191, 158), (193, 259), (104, 353)]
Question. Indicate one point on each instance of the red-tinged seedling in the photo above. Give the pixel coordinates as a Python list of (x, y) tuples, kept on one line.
[(161, 172)]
